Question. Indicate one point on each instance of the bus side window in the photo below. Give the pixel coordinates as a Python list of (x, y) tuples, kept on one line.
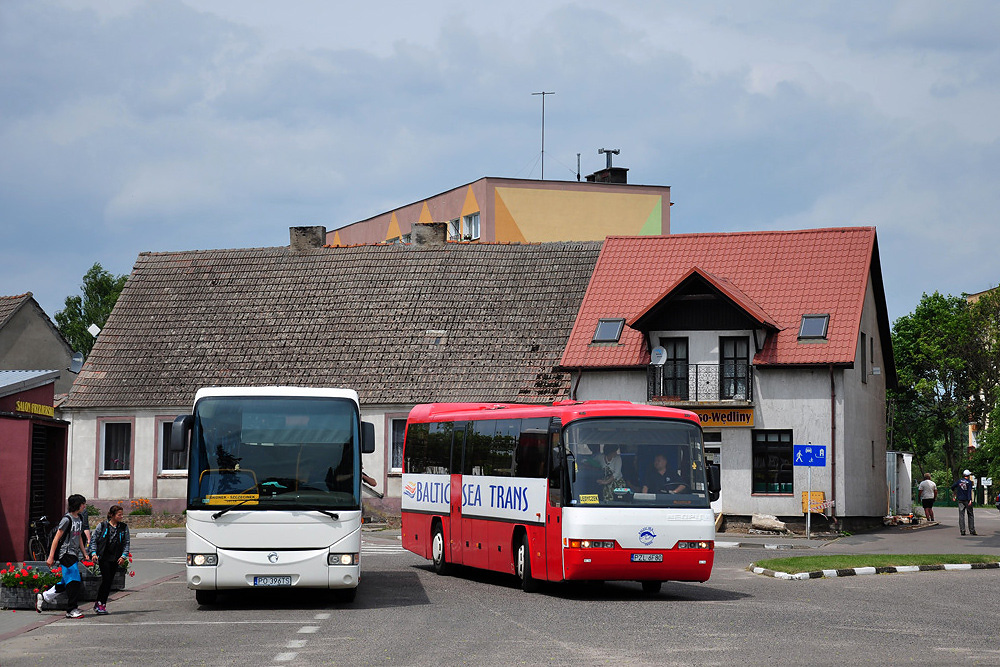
[(556, 467)]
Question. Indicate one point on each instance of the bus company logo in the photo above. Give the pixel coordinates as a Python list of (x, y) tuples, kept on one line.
[(410, 490), (273, 557), (646, 535)]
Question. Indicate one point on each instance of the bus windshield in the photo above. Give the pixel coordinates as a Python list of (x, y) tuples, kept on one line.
[(274, 453), (635, 462)]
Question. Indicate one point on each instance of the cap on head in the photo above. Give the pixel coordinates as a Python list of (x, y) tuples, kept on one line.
[(966, 473)]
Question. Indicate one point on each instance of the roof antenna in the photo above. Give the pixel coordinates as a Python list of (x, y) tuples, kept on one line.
[(609, 152), (543, 94), (578, 166)]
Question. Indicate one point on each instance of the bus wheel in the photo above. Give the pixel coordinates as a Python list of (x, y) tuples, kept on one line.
[(206, 597), (651, 587), (523, 565), (441, 565)]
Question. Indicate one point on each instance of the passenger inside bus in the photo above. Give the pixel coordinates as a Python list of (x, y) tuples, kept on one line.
[(660, 479)]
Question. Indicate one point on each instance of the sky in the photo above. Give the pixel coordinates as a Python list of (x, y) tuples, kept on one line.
[(133, 126)]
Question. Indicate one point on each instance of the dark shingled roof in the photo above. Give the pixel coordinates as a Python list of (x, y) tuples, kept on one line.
[(401, 325), (10, 305)]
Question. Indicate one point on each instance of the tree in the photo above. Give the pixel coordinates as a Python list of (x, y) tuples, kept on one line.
[(932, 403), (100, 292), (985, 320)]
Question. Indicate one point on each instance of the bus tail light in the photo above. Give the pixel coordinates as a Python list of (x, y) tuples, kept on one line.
[(342, 559), (202, 559), (592, 544), (701, 544)]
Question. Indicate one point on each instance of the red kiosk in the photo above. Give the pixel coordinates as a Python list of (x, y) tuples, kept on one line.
[(32, 457)]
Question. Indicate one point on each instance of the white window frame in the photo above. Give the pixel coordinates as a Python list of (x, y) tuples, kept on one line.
[(103, 430), (470, 226), (162, 447), (392, 427)]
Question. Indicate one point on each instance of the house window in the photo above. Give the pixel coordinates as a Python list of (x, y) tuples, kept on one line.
[(734, 373), (116, 445), (608, 331), (170, 461), (398, 430), (675, 368), (454, 230), (814, 326), (772, 462), (470, 224)]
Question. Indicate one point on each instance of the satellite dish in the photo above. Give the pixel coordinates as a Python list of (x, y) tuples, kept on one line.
[(76, 363), (658, 356)]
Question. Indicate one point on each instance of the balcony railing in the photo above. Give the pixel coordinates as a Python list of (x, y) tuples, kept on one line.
[(675, 382)]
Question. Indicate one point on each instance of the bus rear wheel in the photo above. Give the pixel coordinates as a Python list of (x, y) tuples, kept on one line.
[(441, 565), (523, 566), (651, 587)]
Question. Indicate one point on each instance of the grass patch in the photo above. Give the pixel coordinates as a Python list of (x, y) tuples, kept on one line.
[(798, 564)]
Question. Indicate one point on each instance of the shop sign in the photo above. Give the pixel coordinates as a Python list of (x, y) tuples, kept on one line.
[(35, 408), (724, 417)]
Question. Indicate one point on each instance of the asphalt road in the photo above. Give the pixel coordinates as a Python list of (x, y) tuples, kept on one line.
[(407, 615)]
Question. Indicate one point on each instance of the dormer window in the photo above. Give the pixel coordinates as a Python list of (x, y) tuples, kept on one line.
[(814, 326), (608, 331)]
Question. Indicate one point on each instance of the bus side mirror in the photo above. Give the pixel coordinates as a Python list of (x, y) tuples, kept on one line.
[(367, 438), (180, 433), (714, 482)]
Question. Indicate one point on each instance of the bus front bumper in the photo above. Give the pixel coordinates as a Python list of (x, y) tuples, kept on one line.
[(272, 569), (617, 565)]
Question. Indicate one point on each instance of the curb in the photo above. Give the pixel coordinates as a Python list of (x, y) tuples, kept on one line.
[(754, 545), (856, 571)]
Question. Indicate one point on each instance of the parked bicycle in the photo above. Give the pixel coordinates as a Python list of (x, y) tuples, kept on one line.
[(40, 540)]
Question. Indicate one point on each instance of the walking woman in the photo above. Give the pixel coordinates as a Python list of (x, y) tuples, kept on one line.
[(109, 545)]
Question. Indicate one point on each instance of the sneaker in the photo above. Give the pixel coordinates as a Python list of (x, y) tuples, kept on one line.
[(38, 603), (74, 613), (100, 608), (963, 532), (972, 532)]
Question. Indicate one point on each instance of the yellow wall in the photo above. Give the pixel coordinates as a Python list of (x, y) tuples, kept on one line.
[(537, 215)]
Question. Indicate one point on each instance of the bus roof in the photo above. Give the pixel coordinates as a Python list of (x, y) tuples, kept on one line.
[(567, 411), (275, 391)]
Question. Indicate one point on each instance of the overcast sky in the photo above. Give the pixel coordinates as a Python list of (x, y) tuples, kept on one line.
[(185, 124)]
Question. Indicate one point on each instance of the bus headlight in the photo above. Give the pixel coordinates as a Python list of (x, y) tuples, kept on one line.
[(342, 559), (702, 544), (202, 559)]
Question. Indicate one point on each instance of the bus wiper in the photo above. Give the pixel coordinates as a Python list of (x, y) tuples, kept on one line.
[(232, 507), (332, 515)]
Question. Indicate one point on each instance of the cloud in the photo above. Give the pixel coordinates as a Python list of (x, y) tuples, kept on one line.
[(171, 125)]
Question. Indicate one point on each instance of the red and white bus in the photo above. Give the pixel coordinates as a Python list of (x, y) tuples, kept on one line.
[(573, 491)]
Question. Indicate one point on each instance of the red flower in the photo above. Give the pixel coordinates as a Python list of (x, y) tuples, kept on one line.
[(24, 573), (132, 573), (34, 590), (34, 576), (3, 571)]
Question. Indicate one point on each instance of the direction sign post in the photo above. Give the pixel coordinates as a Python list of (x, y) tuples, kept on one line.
[(811, 456)]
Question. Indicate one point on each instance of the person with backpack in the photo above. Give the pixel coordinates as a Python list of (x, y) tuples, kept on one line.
[(109, 546), (68, 548), (961, 491)]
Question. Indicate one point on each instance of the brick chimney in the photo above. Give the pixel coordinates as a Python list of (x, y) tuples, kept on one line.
[(306, 238), (428, 234)]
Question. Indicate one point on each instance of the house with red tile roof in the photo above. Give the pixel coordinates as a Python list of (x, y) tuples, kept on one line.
[(775, 339)]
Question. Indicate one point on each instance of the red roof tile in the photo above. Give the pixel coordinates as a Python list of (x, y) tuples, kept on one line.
[(776, 277)]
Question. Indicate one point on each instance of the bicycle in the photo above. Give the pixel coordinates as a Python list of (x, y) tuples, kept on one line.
[(38, 543)]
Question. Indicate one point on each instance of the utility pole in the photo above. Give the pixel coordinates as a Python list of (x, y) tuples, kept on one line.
[(543, 94)]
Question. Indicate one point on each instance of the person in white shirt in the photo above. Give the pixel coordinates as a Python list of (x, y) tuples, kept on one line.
[(927, 490)]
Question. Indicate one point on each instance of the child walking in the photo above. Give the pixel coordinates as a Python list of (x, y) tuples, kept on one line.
[(68, 548), (109, 546)]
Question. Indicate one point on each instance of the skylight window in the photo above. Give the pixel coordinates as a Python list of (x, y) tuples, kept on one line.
[(814, 326), (608, 331)]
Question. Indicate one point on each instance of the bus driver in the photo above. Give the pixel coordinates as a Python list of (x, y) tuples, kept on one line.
[(658, 479)]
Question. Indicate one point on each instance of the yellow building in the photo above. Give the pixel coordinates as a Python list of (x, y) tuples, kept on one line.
[(512, 210)]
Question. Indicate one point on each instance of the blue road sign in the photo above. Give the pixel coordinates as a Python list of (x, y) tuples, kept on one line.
[(809, 455)]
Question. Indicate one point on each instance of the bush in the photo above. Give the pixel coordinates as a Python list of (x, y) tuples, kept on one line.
[(92, 510), (141, 507)]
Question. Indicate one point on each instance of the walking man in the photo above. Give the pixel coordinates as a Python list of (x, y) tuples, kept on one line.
[(961, 491)]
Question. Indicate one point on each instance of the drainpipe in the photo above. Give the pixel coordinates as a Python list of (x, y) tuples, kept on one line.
[(833, 443)]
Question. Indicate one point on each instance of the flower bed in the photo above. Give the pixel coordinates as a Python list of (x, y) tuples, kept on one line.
[(20, 583)]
